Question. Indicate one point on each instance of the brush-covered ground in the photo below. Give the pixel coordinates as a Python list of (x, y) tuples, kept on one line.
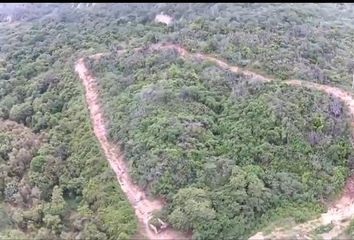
[(223, 150)]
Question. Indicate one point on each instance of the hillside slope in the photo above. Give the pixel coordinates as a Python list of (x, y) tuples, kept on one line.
[(244, 90), (225, 153)]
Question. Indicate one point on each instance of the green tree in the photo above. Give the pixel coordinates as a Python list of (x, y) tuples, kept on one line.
[(21, 112), (193, 209), (57, 204)]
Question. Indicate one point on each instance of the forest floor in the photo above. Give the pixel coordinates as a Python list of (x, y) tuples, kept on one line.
[(339, 213)]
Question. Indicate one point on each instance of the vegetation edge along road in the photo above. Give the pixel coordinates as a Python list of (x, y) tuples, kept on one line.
[(340, 215), (144, 207)]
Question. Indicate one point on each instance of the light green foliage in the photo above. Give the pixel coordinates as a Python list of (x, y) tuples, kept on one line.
[(193, 208), (323, 229), (5, 222), (250, 147), (57, 204), (350, 229), (45, 180), (240, 150), (53, 222)]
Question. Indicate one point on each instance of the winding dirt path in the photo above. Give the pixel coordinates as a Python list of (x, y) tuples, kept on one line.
[(340, 214), (136, 196), (342, 211)]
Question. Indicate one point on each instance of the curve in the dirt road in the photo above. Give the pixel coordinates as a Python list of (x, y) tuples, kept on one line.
[(144, 207), (342, 212)]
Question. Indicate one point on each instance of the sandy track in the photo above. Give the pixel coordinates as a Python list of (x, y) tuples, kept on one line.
[(343, 209), (136, 196)]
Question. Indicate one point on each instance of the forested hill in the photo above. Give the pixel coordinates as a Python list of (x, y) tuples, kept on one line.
[(229, 155)]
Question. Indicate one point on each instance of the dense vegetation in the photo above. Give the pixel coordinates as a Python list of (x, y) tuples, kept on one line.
[(305, 41), (62, 188), (235, 148), (242, 153)]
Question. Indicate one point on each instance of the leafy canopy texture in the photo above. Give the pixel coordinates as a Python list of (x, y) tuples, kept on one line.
[(224, 149), (229, 154)]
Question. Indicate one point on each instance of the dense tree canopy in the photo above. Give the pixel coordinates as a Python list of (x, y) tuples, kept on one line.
[(228, 154), (241, 147)]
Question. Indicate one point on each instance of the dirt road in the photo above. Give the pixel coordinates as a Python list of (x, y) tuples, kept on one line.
[(344, 209), (136, 196)]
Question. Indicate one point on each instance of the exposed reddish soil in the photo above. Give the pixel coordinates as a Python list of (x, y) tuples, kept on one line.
[(143, 207)]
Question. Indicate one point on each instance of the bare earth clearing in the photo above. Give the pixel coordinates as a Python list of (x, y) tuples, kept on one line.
[(340, 214)]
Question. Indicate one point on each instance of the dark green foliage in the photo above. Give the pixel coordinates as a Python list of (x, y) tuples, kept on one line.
[(229, 154), (47, 175), (242, 147)]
